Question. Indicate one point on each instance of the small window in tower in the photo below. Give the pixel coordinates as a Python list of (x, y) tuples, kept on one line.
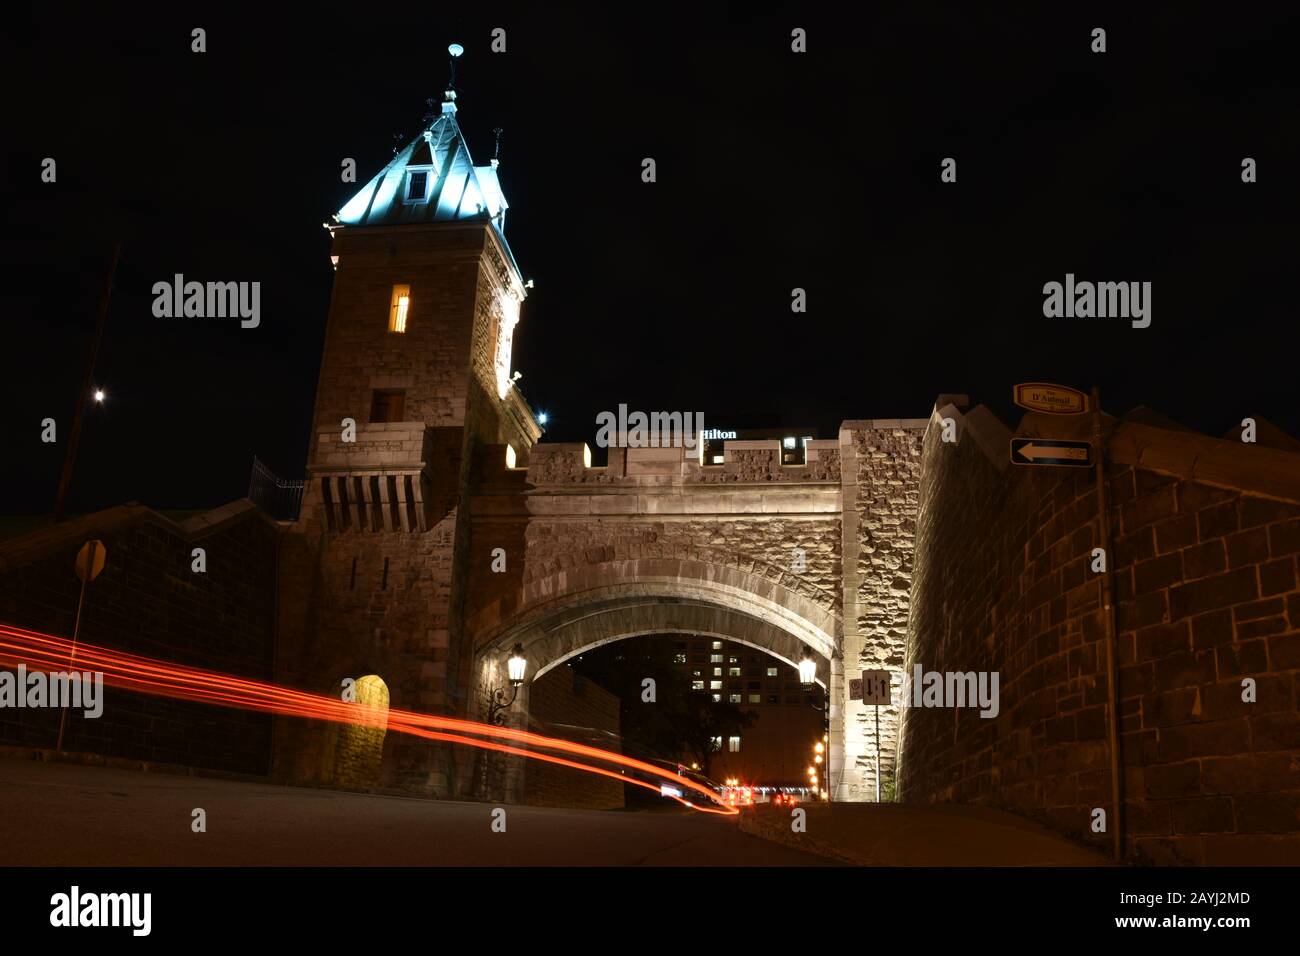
[(417, 187), (399, 308), (387, 406)]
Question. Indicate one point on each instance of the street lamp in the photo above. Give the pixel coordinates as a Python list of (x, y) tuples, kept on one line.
[(516, 666), (807, 670), (808, 677)]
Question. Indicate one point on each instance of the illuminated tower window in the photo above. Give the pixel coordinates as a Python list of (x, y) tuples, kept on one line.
[(401, 304)]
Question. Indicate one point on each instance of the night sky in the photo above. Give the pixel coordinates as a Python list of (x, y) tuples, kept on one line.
[(775, 170)]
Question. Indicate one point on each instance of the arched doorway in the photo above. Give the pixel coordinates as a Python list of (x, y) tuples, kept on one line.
[(360, 749)]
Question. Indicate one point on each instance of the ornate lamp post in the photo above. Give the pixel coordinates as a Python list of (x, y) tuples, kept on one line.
[(808, 677), (498, 702)]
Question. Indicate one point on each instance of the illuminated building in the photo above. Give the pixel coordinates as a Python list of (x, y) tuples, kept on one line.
[(773, 750)]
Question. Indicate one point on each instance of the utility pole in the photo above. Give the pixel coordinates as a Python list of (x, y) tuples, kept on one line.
[(70, 456), (1108, 622)]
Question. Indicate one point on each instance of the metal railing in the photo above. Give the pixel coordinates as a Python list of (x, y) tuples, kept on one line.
[(280, 499)]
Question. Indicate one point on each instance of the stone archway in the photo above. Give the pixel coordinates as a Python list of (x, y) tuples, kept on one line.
[(560, 616)]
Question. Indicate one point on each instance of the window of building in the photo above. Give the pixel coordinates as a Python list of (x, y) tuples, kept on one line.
[(715, 743), (735, 698), (755, 685), (774, 698), (679, 658), (387, 406), (399, 308), (733, 660), (697, 673), (771, 672), (733, 672), (717, 672), (715, 685), (717, 645), (733, 745), (717, 698), (417, 186), (715, 658), (756, 698), (697, 685)]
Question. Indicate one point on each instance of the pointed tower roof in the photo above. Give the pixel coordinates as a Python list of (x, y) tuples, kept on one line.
[(433, 179)]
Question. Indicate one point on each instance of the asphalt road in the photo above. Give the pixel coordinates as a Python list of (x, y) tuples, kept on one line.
[(72, 815)]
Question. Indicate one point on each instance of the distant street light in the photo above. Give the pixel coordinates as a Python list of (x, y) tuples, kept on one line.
[(99, 395)]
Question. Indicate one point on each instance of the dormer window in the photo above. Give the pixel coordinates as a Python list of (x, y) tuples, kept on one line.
[(417, 186)]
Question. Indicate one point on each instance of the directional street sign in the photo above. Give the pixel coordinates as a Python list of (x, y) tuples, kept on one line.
[(1051, 451), (1053, 399), (875, 687)]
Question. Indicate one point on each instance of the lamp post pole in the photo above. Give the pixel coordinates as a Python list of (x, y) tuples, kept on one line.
[(74, 434)]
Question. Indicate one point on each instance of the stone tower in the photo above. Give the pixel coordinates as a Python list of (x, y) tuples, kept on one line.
[(415, 385)]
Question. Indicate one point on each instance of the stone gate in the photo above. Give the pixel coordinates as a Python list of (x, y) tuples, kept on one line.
[(783, 558)]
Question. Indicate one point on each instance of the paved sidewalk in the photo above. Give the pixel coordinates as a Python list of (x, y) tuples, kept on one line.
[(894, 834)]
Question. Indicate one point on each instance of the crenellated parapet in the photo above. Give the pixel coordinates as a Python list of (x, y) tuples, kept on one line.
[(744, 462)]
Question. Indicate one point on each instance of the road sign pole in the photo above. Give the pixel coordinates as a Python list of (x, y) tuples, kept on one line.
[(877, 753), (1108, 622), (76, 630), (90, 561)]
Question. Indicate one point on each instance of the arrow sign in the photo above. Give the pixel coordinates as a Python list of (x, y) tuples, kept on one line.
[(1051, 451)]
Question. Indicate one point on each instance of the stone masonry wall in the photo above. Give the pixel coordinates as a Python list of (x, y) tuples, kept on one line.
[(761, 545), (1205, 582), (881, 495), (563, 704), (148, 601)]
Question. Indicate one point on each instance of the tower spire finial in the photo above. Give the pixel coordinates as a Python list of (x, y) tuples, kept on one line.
[(449, 95), (496, 153)]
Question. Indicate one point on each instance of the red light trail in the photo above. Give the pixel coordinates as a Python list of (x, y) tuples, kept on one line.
[(148, 676)]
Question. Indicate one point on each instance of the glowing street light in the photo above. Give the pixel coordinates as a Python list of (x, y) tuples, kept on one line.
[(498, 702), (517, 665), (99, 396), (807, 670)]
